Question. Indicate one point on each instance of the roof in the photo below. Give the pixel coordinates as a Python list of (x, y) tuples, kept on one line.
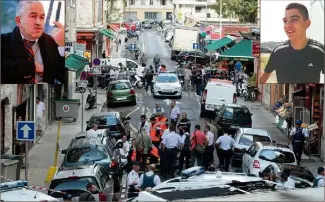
[(242, 51), (218, 44), (80, 171), (274, 145), (85, 142), (119, 81), (236, 105), (255, 131), (25, 195), (111, 113)]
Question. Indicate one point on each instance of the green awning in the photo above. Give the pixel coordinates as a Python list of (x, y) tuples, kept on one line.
[(242, 51), (107, 33), (76, 63), (218, 44)]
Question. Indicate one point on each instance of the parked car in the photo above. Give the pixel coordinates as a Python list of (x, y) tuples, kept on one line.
[(121, 91), (89, 151), (115, 121), (244, 138), (261, 154), (230, 117), (147, 25), (167, 84), (201, 58), (74, 180)]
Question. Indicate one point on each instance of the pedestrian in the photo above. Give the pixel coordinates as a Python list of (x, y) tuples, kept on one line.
[(158, 110), (193, 76), (143, 60), (285, 182), (184, 121), (92, 133), (156, 62), (155, 132), (143, 146), (40, 115), (138, 34), (198, 83), (187, 78), (104, 54), (224, 144), (149, 179), (185, 150), (175, 113), (162, 151), (319, 180), (198, 143), (149, 78), (144, 125), (126, 144), (297, 137), (208, 153), (171, 143), (88, 195), (213, 128), (133, 181), (161, 120)]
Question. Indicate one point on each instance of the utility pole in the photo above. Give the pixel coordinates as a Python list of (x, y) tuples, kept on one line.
[(220, 23)]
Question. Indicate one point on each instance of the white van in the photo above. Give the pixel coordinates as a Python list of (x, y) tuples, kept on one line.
[(125, 62), (216, 93)]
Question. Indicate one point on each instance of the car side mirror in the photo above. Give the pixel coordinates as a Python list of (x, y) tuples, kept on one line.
[(64, 151)]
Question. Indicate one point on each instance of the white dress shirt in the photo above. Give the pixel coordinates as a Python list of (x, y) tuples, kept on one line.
[(156, 179), (91, 133), (226, 142), (146, 127), (175, 111), (40, 109), (126, 147), (172, 140), (304, 132), (210, 138), (38, 56), (166, 132), (133, 179)]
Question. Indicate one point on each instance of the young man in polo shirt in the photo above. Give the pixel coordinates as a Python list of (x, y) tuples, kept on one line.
[(299, 59)]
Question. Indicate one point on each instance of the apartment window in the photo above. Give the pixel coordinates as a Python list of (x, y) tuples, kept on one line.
[(150, 15), (163, 2), (100, 11), (198, 9), (132, 2), (143, 2), (151, 2)]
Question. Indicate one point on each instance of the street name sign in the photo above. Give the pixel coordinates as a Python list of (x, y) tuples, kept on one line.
[(133, 46), (26, 130), (195, 46)]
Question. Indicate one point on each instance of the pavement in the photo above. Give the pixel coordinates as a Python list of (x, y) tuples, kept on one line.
[(41, 156)]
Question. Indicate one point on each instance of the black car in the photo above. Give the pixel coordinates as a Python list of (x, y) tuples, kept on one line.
[(114, 121), (231, 117), (201, 58), (88, 151)]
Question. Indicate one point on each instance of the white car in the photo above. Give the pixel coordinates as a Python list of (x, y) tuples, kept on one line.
[(244, 138), (261, 154), (167, 84)]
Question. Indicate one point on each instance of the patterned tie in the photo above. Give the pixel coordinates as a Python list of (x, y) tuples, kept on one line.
[(30, 53)]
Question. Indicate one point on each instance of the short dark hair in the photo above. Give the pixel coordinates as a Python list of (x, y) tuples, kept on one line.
[(89, 185), (152, 119), (172, 127), (301, 8), (208, 127), (37, 98), (197, 127), (143, 116)]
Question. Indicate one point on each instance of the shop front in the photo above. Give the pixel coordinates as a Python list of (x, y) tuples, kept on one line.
[(87, 38)]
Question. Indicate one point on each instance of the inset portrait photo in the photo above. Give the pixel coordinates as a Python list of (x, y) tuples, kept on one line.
[(292, 42), (32, 42)]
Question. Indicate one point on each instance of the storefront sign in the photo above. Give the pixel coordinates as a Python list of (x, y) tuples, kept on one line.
[(66, 108), (256, 49)]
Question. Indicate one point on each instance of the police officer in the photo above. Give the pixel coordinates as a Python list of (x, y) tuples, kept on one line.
[(158, 109), (225, 144), (171, 143), (185, 151), (184, 121), (297, 137), (133, 181)]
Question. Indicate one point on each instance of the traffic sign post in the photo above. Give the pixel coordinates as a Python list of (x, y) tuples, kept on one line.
[(96, 63), (132, 46), (26, 131), (195, 47), (82, 91)]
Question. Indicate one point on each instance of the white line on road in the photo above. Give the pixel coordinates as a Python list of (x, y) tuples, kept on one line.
[(136, 109), (133, 128)]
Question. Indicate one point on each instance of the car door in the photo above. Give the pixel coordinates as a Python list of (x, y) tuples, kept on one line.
[(247, 159), (106, 183)]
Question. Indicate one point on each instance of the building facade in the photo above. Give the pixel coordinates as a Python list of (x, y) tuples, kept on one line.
[(149, 9), (6, 117)]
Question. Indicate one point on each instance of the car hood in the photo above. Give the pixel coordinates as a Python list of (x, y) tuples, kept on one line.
[(167, 85)]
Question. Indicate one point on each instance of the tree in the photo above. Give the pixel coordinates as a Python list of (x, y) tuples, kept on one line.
[(244, 10), (113, 14)]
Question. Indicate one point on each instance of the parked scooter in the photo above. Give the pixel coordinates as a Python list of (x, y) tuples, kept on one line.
[(91, 100), (242, 90), (135, 79)]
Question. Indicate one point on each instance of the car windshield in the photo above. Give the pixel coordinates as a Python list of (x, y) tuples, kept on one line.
[(238, 113), (249, 139), (86, 154), (167, 79), (277, 156), (104, 120), (120, 86)]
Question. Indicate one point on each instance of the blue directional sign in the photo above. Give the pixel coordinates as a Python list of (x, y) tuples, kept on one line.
[(133, 46), (26, 130), (195, 46)]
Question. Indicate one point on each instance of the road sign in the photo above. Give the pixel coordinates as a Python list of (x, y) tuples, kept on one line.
[(96, 61), (26, 130), (133, 46), (195, 46), (66, 108), (83, 75), (80, 53)]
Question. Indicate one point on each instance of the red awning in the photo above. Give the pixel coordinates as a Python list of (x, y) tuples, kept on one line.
[(113, 27), (85, 35)]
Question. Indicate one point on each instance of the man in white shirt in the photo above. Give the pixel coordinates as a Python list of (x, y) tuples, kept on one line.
[(319, 180), (149, 179), (144, 126), (187, 78), (92, 133), (126, 144), (285, 180), (175, 112), (40, 114), (225, 144), (133, 181), (208, 154)]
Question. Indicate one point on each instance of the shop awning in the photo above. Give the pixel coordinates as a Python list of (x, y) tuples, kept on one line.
[(242, 51), (218, 44), (107, 33), (113, 27), (76, 63)]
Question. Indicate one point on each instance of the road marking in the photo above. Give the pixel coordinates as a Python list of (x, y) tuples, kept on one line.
[(133, 128), (136, 109)]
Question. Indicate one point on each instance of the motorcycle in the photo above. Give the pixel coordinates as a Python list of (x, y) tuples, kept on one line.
[(135, 79), (91, 100), (242, 90)]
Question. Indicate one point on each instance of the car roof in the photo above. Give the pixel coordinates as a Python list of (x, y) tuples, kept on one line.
[(119, 81), (255, 131), (85, 142), (80, 171), (271, 145), (167, 74), (111, 113), (236, 106)]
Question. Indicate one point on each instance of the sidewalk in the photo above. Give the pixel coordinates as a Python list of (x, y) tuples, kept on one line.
[(41, 156)]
